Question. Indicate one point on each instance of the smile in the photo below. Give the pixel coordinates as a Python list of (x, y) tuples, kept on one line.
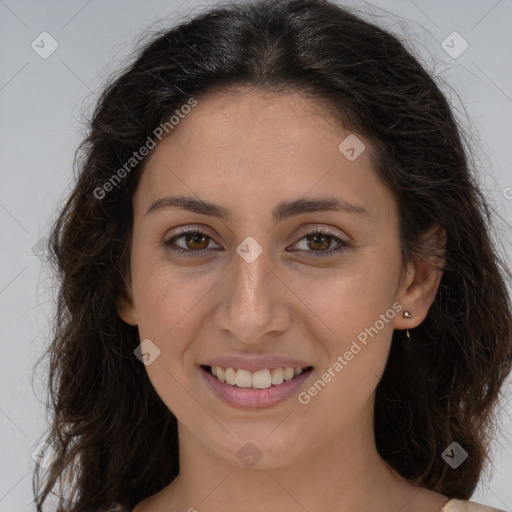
[(254, 389), (260, 379)]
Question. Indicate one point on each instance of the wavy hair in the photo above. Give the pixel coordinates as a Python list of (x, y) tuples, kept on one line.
[(114, 438)]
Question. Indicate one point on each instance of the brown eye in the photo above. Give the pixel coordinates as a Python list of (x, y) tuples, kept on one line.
[(319, 242), (195, 241)]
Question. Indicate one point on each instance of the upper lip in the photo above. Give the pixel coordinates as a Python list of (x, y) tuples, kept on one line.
[(255, 362)]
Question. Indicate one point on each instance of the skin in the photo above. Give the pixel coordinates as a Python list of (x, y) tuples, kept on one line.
[(247, 151)]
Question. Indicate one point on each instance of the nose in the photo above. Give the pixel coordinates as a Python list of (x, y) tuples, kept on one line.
[(254, 301)]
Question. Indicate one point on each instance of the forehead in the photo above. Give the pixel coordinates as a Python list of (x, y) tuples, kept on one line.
[(254, 147), (252, 119)]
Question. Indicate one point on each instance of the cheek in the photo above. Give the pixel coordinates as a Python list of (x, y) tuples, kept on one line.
[(356, 330), (354, 318), (346, 301), (167, 300), (169, 314)]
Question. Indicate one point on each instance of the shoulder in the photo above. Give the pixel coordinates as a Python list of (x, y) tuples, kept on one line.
[(467, 506)]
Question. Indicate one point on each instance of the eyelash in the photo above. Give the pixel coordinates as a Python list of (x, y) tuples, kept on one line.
[(344, 244)]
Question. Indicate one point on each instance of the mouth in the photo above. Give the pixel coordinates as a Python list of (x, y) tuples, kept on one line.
[(260, 379), (258, 389)]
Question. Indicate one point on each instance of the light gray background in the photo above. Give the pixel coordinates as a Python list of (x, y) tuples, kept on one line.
[(42, 101)]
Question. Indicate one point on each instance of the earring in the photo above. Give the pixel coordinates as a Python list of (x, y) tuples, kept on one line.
[(407, 314)]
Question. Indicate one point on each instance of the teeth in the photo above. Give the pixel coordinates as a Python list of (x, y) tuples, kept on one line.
[(230, 376), (243, 378), (277, 376), (289, 373), (260, 379)]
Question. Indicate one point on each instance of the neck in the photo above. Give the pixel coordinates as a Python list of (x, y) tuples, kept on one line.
[(345, 473)]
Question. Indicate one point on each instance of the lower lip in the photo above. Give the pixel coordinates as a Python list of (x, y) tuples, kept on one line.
[(248, 398)]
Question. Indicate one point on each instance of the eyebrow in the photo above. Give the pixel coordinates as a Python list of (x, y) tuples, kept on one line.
[(282, 211)]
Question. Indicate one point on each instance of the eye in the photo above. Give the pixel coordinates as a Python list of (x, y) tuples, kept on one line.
[(321, 239), (194, 242)]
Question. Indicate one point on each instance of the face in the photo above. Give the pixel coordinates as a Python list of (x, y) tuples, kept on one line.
[(275, 283)]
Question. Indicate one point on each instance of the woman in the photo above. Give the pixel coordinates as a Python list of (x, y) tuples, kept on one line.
[(279, 289)]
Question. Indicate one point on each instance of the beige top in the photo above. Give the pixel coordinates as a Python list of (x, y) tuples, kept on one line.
[(467, 506), (450, 506)]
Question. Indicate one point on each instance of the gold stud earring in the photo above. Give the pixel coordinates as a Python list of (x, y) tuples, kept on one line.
[(407, 314)]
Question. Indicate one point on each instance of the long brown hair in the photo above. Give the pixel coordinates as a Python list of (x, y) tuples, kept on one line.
[(114, 439)]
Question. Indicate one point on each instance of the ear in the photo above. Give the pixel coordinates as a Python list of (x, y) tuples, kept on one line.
[(418, 288), (126, 308)]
